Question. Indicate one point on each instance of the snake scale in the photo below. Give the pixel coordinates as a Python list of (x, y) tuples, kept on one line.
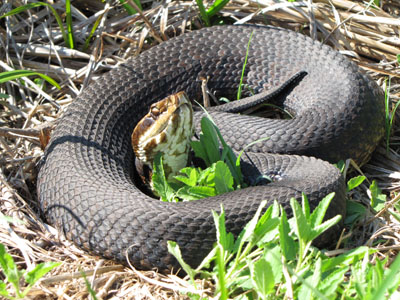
[(86, 181)]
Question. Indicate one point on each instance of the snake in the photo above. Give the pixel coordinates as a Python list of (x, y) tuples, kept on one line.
[(87, 182)]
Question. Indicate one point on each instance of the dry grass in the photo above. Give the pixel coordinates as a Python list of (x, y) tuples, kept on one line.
[(32, 40)]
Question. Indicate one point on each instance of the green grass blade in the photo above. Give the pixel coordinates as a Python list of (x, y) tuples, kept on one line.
[(247, 146), (15, 74), (89, 288), (216, 7), (129, 9), (174, 249), (387, 113), (389, 116), (301, 228), (37, 4), (319, 212), (3, 290), (95, 25), (239, 93), (287, 242), (203, 12), (23, 8), (9, 269), (39, 271), (392, 279), (355, 182), (159, 180), (68, 19)]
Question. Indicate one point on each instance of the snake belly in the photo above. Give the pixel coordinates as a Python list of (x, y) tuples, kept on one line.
[(85, 183)]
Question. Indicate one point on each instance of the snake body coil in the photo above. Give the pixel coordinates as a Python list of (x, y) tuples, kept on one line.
[(85, 184)]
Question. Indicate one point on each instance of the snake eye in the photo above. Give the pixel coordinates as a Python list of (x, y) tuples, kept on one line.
[(154, 112)]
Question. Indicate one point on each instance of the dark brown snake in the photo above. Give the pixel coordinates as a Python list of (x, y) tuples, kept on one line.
[(86, 186)]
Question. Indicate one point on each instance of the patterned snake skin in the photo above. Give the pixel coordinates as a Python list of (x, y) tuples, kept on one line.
[(86, 183)]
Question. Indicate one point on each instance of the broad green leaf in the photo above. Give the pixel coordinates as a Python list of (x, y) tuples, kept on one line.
[(310, 285), (274, 258), (379, 270), (195, 192), (9, 267), (251, 225), (223, 178), (362, 277), (392, 279), (378, 199), (345, 259), (354, 211), (209, 142), (4, 96), (395, 215), (160, 183), (191, 176), (305, 206), (287, 243), (228, 155), (355, 182), (220, 270), (331, 282), (206, 177), (205, 263), (265, 225), (301, 227), (219, 221), (318, 230), (39, 271), (11, 220), (174, 249), (15, 74), (3, 289), (261, 277), (340, 165), (319, 212), (200, 151)]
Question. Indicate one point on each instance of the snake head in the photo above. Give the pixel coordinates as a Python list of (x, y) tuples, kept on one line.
[(166, 128)]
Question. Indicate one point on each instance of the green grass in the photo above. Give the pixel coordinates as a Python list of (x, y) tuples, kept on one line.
[(56, 15), (389, 115), (15, 74), (215, 7), (68, 19), (273, 258), (20, 280), (129, 9), (239, 93), (17, 278)]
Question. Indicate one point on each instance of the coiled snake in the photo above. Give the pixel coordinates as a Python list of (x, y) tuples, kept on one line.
[(86, 186)]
